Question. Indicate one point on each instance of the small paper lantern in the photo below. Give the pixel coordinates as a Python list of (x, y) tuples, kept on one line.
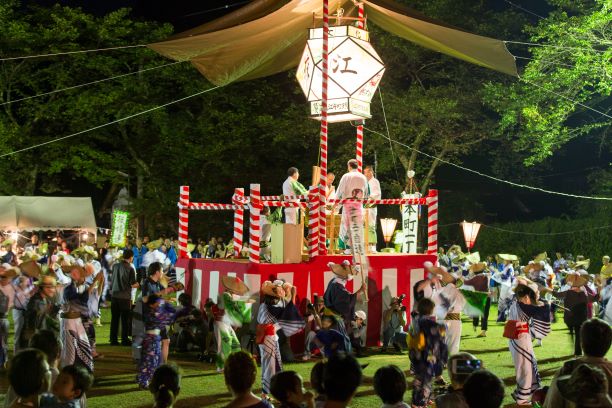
[(470, 232), (388, 226), (354, 69)]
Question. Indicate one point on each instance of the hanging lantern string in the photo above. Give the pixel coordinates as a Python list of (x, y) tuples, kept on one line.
[(72, 52), (533, 233), (488, 175), (109, 123), (89, 83)]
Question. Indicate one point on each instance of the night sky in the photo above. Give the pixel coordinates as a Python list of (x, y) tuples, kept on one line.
[(566, 171)]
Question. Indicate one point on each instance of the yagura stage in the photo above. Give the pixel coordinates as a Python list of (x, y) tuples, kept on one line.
[(390, 275)]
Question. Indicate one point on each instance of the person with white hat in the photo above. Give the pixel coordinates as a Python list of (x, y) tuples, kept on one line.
[(358, 332), (276, 312), (527, 318)]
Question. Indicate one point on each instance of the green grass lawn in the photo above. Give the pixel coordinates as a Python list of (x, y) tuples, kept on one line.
[(202, 387)]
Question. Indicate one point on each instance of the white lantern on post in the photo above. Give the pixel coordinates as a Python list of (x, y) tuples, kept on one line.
[(470, 232), (388, 227), (355, 70)]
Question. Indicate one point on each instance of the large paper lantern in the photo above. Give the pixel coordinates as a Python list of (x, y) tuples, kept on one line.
[(470, 232), (354, 68)]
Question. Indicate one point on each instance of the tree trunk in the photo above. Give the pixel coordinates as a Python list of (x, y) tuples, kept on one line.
[(432, 169)]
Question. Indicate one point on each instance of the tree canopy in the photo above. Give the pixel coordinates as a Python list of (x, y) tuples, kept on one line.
[(251, 132)]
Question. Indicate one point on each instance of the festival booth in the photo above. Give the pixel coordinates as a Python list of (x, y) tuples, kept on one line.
[(339, 72), (47, 213)]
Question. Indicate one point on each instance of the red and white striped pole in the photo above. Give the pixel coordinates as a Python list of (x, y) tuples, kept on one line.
[(432, 222), (359, 147), (238, 201), (255, 227), (313, 222), (183, 229), (359, 142), (360, 22), (323, 136)]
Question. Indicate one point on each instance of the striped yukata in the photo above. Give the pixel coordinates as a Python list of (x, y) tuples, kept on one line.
[(76, 347), (536, 324), (282, 316)]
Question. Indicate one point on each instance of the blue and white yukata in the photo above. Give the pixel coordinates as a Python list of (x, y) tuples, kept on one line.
[(535, 323), (282, 316), (155, 320), (506, 279)]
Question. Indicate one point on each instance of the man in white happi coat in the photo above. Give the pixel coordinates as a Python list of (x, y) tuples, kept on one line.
[(352, 185), (288, 190), (376, 194)]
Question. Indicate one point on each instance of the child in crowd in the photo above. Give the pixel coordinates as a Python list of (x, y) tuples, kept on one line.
[(240, 372), (165, 385), (29, 376), (390, 386), (316, 382), (48, 342), (159, 315), (329, 340), (427, 351), (460, 366), (483, 389), (70, 386), (341, 378), (288, 389)]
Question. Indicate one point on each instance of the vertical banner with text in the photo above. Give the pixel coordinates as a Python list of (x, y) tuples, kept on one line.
[(119, 228), (410, 222)]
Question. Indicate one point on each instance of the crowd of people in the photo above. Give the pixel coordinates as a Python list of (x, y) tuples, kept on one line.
[(55, 292)]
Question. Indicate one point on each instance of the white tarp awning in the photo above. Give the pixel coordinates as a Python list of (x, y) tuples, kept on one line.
[(46, 213)]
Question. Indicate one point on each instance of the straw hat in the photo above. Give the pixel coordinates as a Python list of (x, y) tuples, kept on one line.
[(83, 273), (235, 285), (7, 242), (277, 289), (541, 257), (153, 245), (440, 271), (576, 280), (507, 257), (47, 281), (478, 267), (586, 386), (85, 251), (473, 258), (585, 263), (31, 269), (343, 270), (10, 273)]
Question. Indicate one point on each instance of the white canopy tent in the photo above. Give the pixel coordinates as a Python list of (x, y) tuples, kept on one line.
[(46, 213)]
